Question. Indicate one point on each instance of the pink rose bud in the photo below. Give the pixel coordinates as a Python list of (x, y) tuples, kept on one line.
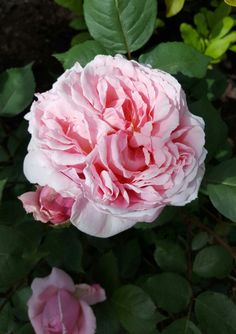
[(119, 137), (47, 205), (55, 307)]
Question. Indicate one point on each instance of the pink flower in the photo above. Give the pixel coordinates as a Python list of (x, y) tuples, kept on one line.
[(118, 136), (55, 307), (47, 205)]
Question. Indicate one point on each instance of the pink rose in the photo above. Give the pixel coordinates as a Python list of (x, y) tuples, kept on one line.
[(47, 205), (58, 306), (118, 136)]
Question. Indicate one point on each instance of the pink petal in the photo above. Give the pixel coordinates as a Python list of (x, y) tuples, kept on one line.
[(86, 321), (88, 219), (44, 287)]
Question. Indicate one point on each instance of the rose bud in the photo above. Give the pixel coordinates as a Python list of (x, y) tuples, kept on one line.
[(57, 305), (47, 205)]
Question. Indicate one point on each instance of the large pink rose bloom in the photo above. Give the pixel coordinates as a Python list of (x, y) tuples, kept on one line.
[(119, 137), (58, 306), (47, 205)]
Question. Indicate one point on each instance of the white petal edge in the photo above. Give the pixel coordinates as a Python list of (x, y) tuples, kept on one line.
[(88, 219)]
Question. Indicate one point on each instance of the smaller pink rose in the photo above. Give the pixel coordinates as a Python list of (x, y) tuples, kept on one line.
[(47, 205), (58, 306)]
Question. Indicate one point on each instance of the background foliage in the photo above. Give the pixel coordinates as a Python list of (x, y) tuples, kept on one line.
[(178, 274)]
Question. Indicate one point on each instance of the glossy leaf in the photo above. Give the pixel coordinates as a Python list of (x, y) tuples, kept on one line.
[(201, 23), (120, 25), (217, 47), (20, 300), (170, 291), (181, 326), (173, 7), (80, 38), (222, 188), (213, 121), (231, 2), (7, 321), (186, 60), (191, 37), (82, 53), (199, 240), (170, 256), (15, 260), (167, 215), (213, 261), (78, 24), (17, 87), (216, 313), (134, 309)]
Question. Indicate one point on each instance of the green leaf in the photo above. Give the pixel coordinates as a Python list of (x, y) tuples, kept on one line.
[(64, 249), (78, 24), (80, 38), (181, 326), (167, 215), (14, 256), (73, 5), (4, 156), (120, 25), (199, 240), (224, 173), (213, 122), (20, 300), (191, 37), (82, 53), (26, 329), (2, 185), (7, 321), (222, 188), (217, 47), (212, 86), (17, 87), (222, 28), (186, 60), (170, 291), (170, 256), (217, 84), (201, 24), (107, 322), (215, 17), (134, 309), (231, 2), (233, 48), (173, 7), (215, 313), (106, 272), (223, 198), (213, 261), (33, 232), (129, 258)]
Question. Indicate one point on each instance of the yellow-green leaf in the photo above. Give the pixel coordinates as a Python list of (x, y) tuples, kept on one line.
[(231, 2), (173, 7)]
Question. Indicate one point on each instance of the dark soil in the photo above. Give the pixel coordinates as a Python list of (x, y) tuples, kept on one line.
[(32, 30)]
